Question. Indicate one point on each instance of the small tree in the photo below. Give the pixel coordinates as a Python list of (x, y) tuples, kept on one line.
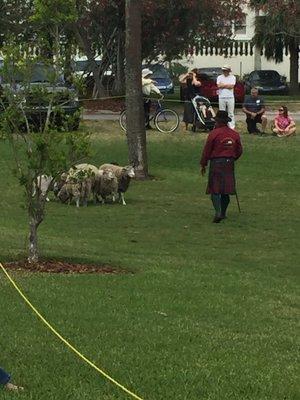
[(38, 147)]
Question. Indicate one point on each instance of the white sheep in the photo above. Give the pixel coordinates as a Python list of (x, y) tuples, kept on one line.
[(106, 185), (91, 172), (79, 190), (79, 184), (123, 174), (59, 183)]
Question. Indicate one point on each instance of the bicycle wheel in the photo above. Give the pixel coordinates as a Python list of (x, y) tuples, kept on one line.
[(166, 120), (122, 120)]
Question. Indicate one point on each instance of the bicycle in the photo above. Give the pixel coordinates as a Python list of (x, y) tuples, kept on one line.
[(165, 119)]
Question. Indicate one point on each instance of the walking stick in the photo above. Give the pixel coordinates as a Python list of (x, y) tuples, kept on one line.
[(238, 203)]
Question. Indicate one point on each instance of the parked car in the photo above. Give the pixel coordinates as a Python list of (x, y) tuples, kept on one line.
[(209, 88), (35, 90), (267, 81), (84, 70), (161, 77)]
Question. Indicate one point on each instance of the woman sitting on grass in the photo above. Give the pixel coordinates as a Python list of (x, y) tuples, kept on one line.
[(283, 124)]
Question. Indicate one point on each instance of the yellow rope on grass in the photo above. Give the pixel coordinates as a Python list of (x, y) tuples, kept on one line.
[(65, 341)]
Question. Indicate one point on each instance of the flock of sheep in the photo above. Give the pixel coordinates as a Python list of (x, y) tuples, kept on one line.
[(84, 181)]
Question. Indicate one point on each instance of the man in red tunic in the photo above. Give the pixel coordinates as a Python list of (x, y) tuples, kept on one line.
[(222, 148)]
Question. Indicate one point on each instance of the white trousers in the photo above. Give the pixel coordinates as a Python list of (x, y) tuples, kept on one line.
[(227, 104)]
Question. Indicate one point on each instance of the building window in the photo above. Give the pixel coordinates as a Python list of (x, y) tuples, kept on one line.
[(240, 28)]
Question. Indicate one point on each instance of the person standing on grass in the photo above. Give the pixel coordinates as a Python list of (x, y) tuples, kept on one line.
[(190, 86), (223, 147), (254, 108), (284, 125), (5, 382), (226, 83)]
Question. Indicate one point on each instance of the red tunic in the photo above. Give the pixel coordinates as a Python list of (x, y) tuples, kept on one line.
[(222, 142), (222, 148)]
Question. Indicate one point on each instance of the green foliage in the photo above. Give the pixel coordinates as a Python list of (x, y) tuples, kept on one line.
[(29, 115), (278, 26), (14, 21), (277, 30), (210, 313), (54, 12), (176, 69)]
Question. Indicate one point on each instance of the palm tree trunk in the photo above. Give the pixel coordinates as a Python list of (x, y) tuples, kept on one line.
[(294, 66), (135, 121)]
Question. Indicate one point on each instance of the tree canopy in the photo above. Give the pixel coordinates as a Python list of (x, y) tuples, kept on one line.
[(277, 30), (97, 28)]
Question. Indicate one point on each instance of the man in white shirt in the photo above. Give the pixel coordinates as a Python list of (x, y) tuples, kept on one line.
[(226, 83)]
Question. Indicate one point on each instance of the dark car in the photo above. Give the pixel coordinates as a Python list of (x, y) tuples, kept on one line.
[(35, 90), (209, 88), (267, 81), (161, 77), (84, 70)]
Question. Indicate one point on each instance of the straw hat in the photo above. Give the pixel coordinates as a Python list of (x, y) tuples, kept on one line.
[(226, 67)]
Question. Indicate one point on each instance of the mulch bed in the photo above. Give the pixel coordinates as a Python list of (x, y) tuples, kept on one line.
[(115, 105), (62, 267)]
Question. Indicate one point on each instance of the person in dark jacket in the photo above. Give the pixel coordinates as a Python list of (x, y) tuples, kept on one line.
[(191, 87), (223, 147), (6, 383)]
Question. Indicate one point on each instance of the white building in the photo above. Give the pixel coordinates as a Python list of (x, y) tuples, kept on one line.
[(247, 58)]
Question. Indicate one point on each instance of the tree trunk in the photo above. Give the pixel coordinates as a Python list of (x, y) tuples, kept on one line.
[(257, 49), (33, 254), (86, 45), (36, 213), (119, 84), (135, 120), (100, 89), (294, 66)]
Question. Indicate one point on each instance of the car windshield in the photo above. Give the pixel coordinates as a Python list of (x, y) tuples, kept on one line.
[(209, 73), (85, 65), (158, 70), (265, 75), (42, 73), (38, 74)]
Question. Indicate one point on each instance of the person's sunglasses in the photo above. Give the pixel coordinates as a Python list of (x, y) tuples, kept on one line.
[(280, 109)]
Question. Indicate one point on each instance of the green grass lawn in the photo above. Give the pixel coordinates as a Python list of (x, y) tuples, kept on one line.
[(210, 311)]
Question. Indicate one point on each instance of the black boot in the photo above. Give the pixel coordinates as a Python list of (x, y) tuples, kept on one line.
[(216, 200), (217, 219), (225, 200)]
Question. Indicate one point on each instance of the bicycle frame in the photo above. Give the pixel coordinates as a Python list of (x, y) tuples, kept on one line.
[(158, 108), (165, 120)]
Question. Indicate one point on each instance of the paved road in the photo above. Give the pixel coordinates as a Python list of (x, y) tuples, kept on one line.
[(113, 116)]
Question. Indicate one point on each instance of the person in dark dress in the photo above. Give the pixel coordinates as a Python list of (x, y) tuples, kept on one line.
[(6, 383), (223, 147), (191, 87)]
